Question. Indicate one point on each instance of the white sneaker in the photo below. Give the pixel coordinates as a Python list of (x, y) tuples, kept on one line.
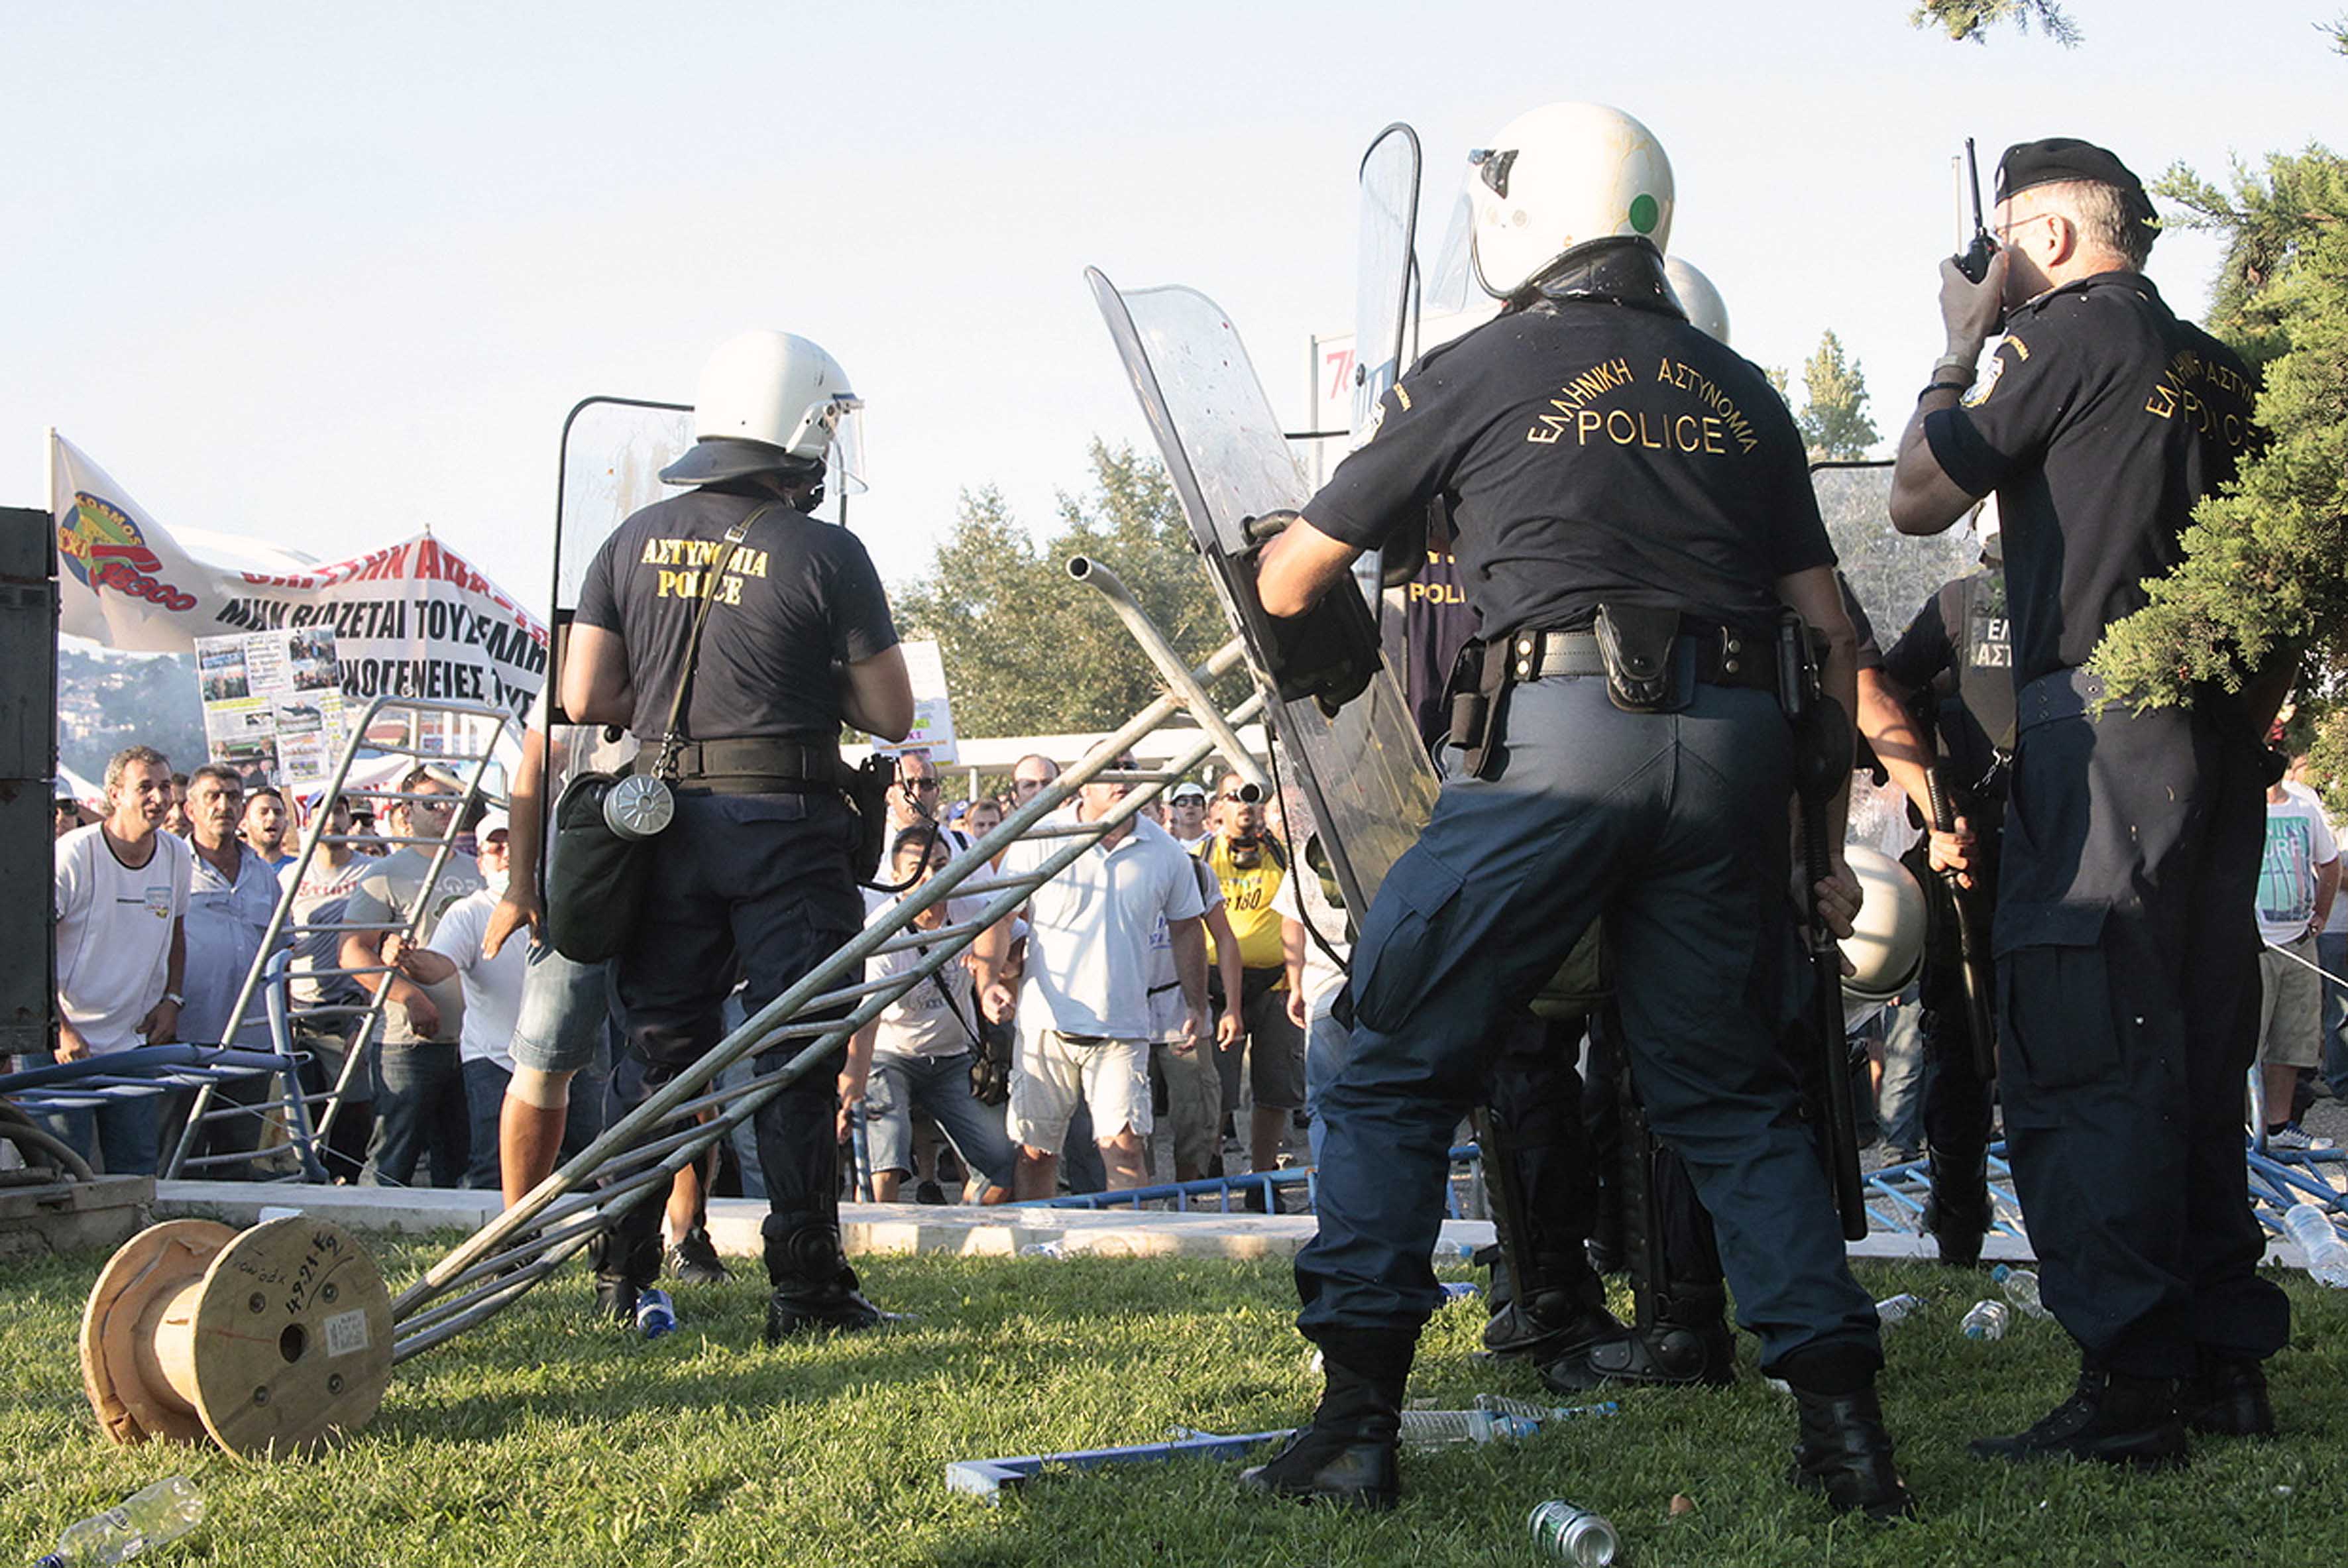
[(2291, 1139)]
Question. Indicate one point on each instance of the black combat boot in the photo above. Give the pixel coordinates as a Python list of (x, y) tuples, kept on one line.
[(626, 1257), (1844, 1454), (1679, 1353), (1957, 1212), (814, 1288), (2227, 1397), (1347, 1455), (2110, 1417)]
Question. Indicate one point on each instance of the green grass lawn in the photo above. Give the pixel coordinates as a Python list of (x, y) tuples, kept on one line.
[(540, 1440)]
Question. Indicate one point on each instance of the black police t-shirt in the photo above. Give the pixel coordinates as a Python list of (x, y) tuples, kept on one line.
[(1592, 454), (2101, 420), (1958, 649), (799, 597)]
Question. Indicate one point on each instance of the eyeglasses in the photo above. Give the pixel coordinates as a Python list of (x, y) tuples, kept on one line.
[(919, 783)]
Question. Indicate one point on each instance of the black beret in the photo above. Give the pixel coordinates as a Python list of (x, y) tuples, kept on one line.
[(2062, 157)]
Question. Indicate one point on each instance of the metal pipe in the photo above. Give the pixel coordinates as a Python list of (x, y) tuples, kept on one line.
[(1172, 666), (754, 1033)]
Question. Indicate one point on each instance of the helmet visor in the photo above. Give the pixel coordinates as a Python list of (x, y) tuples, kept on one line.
[(844, 457), (1448, 289)]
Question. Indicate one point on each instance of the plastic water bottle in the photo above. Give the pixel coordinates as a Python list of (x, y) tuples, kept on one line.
[(1987, 1320), (2327, 1256), (656, 1314), (164, 1511), (1898, 1308), (2021, 1287), (1043, 1250), (1500, 1404), (1573, 1535), (1458, 1290), (1432, 1428)]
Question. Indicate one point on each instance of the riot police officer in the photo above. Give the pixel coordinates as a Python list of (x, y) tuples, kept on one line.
[(1633, 516), (2126, 948), (754, 878)]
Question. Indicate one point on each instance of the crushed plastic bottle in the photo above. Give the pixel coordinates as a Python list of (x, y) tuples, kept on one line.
[(1570, 1534), (1043, 1250), (1898, 1308), (1987, 1320), (2021, 1287), (2327, 1255), (1500, 1404), (148, 1519), (656, 1314)]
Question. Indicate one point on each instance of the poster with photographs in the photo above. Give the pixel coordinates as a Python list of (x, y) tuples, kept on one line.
[(274, 705)]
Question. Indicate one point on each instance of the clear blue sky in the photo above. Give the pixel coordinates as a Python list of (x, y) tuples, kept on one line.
[(324, 274)]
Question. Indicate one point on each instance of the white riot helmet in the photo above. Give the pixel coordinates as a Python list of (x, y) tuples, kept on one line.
[(1706, 311), (772, 402), (1559, 177), (1886, 944)]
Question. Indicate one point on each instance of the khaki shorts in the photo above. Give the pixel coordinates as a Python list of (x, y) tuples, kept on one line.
[(1053, 1071), (2290, 1006)]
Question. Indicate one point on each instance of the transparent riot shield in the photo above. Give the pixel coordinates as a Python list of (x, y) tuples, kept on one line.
[(1385, 269), (1891, 573), (1364, 772), (614, 449)]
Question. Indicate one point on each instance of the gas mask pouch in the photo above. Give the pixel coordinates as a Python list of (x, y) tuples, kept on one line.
[(1644, 673)]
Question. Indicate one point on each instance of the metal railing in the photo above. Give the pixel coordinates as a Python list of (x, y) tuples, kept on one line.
[(634, 1159)]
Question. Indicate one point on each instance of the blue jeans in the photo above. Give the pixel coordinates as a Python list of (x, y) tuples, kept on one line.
[(485, 1097), (1900, 1103), (900, 1085), (419, 1112), (119, 1137)]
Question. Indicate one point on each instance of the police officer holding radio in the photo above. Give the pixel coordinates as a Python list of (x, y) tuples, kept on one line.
[(754, 878), (1632, 519), (2125, 947)]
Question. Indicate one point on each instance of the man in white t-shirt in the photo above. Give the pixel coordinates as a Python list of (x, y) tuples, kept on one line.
[(1084, 1011), (2297, 883), (492, 986), (121, 893)]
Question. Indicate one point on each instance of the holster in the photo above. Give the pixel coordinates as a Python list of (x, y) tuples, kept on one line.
[(1477, 695), (1644, 673), (866, 787)]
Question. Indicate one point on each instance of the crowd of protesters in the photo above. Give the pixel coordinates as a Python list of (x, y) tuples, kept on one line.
[(968, 1087)]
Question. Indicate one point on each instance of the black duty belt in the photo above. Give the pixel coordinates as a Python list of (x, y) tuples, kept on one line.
[(1723, 656), (758, 765)]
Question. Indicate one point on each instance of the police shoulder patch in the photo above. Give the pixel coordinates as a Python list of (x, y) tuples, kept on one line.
[(1997, 363)]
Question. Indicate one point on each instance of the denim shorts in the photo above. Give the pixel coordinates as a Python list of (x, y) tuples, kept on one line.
[(565, 1006)]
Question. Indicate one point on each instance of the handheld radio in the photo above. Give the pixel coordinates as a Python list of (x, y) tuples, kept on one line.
[(1975, 261)]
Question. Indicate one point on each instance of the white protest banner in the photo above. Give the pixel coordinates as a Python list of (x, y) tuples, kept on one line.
[(412, 619), (272, 700), (934, 728)]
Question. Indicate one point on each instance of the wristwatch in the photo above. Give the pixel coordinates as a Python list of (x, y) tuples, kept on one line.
[(174, 998)]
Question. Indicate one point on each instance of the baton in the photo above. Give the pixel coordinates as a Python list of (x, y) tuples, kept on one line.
[(1980, 979)]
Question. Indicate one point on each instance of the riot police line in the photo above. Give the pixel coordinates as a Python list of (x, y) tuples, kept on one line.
[(1662, 662)]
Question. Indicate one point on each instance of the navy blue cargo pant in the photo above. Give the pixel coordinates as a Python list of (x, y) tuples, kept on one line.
[(758, 888), (2128, 978), (1674, 826)]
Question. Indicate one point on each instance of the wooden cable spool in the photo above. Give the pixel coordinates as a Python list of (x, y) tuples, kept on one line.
[(269, 1341)]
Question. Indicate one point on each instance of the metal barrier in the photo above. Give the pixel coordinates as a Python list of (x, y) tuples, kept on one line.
[(283, 928), (636, 1157)]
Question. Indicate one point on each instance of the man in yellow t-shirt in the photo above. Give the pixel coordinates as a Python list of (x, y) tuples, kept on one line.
[(1250, 865)]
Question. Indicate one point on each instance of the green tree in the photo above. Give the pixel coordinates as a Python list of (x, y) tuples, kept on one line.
[(1835, 423), (1029, 650), (1970, 20), (2261, 577)]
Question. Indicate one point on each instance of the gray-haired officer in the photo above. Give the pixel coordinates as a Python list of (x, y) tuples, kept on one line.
[(2127, 951), (754, 878), (1632, 515)]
